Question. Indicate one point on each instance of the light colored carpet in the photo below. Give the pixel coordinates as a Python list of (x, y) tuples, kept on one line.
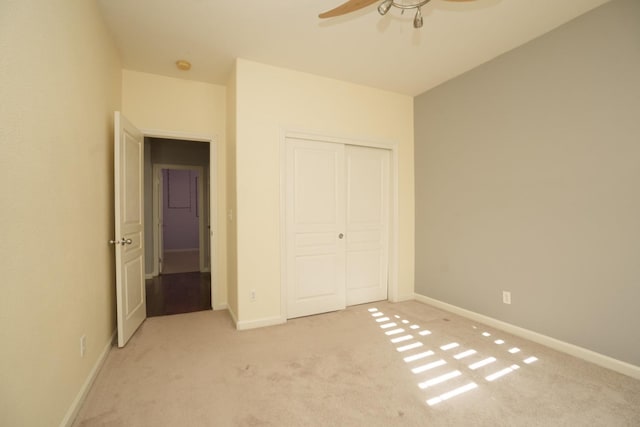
[(341, 369), (181, 262)]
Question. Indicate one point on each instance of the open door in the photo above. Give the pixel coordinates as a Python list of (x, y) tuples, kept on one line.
[(129, 227), (159, 215)]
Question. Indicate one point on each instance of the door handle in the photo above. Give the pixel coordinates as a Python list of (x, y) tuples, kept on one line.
[(122, 242), (340, 236)]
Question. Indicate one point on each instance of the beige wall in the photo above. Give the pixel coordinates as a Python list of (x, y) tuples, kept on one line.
[(59, 85), (158, 103), (151, 101), (528, 180), (232, 259), (270, 100)]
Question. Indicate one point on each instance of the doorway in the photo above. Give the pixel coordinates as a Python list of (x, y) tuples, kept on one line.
[(178, 219), (179, 216), (133, 210)]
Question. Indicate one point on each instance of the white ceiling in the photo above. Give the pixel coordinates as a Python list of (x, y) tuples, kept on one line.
[(363, 47)]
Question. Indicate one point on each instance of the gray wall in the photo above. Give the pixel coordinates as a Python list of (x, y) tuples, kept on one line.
[(528, 180), (175, 152)]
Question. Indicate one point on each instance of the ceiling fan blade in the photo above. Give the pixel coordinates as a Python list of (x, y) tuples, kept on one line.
[(348, 7)]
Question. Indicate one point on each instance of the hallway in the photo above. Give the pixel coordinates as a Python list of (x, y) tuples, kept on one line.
[(178, 293), (181, 262)]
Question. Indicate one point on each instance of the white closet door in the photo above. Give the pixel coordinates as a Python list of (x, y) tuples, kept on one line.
[(315, 206), (367, 183)]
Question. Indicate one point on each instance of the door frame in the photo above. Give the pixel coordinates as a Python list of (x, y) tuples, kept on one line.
[(158, 193), (213, 197), (392, 288)]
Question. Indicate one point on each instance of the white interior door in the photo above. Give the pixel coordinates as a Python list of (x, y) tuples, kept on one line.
[(129, 227), (315, 227), (367, 181), (158, 220), (159, 211)]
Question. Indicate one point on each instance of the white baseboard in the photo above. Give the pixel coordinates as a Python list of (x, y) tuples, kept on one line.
[(233, 317), (223, 306), (148, 276), (73, 410), (404, 298), (260, 323), (565, 347), (244, 325)]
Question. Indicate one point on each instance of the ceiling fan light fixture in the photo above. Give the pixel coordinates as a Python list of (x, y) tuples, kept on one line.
[(384, 7), (417, 21)]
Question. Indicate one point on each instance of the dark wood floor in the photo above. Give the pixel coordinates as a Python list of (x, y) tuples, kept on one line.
[(178, 293)]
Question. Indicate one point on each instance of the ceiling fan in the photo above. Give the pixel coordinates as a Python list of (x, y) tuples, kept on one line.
[(353, 5)]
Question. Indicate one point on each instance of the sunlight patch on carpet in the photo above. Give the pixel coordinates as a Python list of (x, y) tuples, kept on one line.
[(418, 356), (452, 393), (409, 346), (438, 378), (483, 362), (449, 346), (428, 366), (401, 339), (464, 354), (501, 373)]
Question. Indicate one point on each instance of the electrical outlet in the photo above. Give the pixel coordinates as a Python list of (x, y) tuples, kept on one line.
[(253, 295), (83, 345), (506, 297)]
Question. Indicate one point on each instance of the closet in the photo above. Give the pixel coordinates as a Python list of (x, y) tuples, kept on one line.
[(337, 225)]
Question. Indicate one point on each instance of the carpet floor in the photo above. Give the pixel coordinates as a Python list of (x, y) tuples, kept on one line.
[(382, 364)]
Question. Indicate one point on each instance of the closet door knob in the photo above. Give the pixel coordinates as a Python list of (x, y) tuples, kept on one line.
[(340, 236)]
